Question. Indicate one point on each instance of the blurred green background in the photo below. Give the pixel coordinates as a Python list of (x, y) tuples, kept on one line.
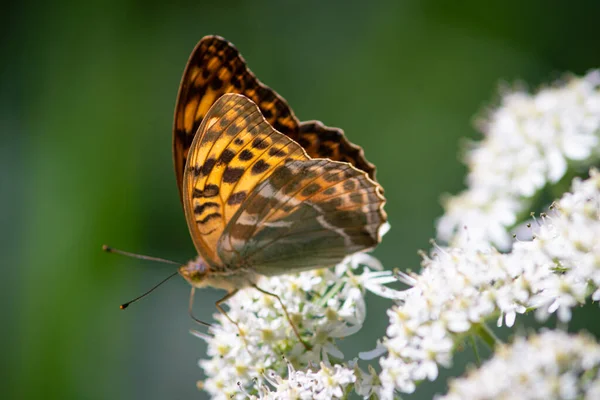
[(86, 104)]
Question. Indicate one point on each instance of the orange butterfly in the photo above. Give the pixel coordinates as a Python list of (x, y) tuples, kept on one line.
[(263, 194)]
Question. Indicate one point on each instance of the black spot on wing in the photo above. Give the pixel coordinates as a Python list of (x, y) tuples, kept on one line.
[(259, 167), (208, 166), (277, 152), (224, 122), (216, 83), (304, 143), (232, 129), (181, 134), (226, 156), (237, 198), (349, 185), (235, 81), (208, 218), (209, 190), (199, 209), (280, 177), (260, 144), (267, 113), (232, 175), (311, 189), (331, 177), (259, 203), (325, 151), (246, 155), (203, 169)]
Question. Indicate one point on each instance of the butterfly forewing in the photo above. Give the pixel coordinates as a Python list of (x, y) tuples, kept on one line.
[(235, 150), (215, 67)]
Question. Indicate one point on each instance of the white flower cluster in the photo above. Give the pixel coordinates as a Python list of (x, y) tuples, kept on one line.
[(324, 305), (551, 365), (459, 289), (325, 384), (528, 142)]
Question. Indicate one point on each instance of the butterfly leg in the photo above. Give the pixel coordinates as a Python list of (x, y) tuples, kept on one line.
[(224, 299), (218, 305), (190, 311), (306, 345)]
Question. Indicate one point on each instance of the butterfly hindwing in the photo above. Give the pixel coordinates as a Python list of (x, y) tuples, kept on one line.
[(322, 141), (215, 67), (309, 213)]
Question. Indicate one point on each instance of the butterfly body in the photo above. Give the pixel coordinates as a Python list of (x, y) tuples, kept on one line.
[(200, 275)]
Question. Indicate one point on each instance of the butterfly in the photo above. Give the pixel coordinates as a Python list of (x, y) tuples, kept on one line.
[(263, 194)]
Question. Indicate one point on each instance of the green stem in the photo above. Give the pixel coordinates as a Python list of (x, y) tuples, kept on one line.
[(475, 350), (486, 334), (336, 288)]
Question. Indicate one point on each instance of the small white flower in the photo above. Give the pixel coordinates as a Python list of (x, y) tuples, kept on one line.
[(552, 365)]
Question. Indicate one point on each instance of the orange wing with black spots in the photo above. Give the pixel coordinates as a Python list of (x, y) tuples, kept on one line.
[(234, 151), (215, 67)]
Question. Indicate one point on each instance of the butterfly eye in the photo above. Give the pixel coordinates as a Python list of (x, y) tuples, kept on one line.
[(194, 271), (201, 267)]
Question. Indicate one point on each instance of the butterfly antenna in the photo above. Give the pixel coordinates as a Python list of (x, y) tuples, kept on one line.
[(125, 305), (109, 249)]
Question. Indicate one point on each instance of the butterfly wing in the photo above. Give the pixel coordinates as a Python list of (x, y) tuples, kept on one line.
[(308, 213), (322, 141), (215, 67), (234, 150)]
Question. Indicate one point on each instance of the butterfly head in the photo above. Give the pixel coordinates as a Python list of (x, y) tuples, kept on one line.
[(195, 272)]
